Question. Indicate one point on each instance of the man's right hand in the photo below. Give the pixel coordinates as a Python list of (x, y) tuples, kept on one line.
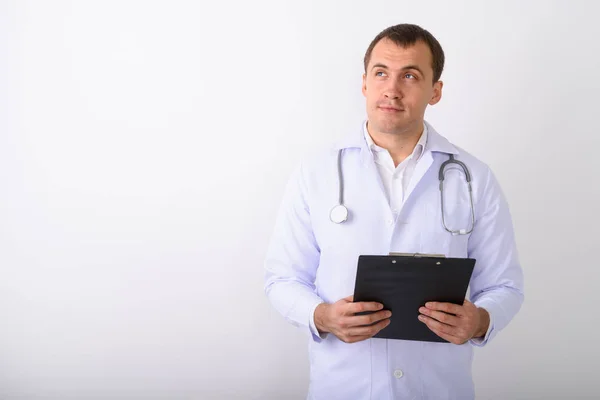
[(339, 319)]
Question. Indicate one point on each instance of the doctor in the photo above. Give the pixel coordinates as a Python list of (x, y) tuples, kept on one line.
[(386, 177)]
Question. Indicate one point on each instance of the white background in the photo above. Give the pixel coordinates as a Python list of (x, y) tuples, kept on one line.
[(144, 148)]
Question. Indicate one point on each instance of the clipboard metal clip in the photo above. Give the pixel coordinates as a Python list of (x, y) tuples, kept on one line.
[(418, 255)]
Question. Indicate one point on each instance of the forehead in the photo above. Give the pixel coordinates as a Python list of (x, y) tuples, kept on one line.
[(396, 57)]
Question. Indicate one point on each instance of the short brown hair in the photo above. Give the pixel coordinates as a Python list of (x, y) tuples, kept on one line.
[(405, 35)]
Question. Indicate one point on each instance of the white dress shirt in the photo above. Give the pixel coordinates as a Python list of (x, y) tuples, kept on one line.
[(395, 179)]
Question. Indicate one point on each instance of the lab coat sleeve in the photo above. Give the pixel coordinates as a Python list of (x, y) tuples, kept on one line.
[(293, 258), (497, 280)]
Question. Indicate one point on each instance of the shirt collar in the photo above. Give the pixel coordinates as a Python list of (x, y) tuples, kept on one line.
[(417, 152), (435, 141)]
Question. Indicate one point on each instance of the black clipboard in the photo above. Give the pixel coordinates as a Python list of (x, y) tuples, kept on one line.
[(405, 283)]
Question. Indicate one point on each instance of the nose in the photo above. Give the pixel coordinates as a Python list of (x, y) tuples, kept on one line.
[(392, 91)]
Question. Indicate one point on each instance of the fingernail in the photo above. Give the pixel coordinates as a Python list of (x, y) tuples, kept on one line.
[(421, 318)]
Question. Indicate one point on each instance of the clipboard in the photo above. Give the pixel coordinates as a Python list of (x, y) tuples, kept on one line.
[(405, 282)]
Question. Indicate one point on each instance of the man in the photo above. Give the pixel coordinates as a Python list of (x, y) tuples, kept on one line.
[(390, 186)]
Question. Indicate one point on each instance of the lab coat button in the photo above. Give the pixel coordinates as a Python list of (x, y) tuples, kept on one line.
[(398, 373), (390, 222)]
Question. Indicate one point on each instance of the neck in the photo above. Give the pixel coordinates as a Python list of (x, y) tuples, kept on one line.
[(399, 144)]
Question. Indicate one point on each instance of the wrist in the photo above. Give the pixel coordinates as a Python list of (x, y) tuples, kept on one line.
[(320, 314), (484, 322)]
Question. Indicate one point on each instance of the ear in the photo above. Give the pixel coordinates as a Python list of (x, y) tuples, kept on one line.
[(364, 85), (437, 93)]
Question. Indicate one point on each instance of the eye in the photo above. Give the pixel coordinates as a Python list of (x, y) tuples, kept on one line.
[(410, 76), (379, 73)]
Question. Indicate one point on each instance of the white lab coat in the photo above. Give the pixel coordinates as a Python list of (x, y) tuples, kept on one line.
[(312, 260)]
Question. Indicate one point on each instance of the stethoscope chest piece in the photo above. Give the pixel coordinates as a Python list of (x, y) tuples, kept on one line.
[(338, 214)]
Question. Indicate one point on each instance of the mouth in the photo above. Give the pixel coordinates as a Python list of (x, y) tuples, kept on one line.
[(390, 109)]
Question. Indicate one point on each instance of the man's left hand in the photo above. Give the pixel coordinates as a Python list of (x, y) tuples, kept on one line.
[(457, 324)]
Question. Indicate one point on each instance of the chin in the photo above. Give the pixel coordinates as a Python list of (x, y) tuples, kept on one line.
[(391, 125)]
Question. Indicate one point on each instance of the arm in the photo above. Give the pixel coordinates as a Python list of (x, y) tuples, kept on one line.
[(293, 258), (291, 267), (497, 281)]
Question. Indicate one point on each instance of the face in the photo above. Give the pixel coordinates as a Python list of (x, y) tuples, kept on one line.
[(398, 86)]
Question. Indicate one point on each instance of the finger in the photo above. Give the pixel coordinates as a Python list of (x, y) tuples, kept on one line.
[(368, 331), (445, 307), (362, 306), (443, 317), (448, 337), (433, 324), (369, 319), (349, 298)]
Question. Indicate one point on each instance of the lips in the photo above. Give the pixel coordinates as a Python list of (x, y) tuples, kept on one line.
[(390, 109)]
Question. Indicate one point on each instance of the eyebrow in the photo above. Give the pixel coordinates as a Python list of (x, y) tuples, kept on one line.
[(415, 67)]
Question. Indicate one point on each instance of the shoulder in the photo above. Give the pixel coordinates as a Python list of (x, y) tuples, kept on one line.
[(315, 162), (475, 165), (483, 180)]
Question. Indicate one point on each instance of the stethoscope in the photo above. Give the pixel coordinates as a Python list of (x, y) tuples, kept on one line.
[(339, 213)]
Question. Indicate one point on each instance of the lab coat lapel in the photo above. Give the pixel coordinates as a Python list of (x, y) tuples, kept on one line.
[(372, 175), (367, 162), (435, 143), (420, 169)]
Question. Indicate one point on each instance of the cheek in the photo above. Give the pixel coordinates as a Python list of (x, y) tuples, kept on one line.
[(373, 92), (372, 100), (417, 100)]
